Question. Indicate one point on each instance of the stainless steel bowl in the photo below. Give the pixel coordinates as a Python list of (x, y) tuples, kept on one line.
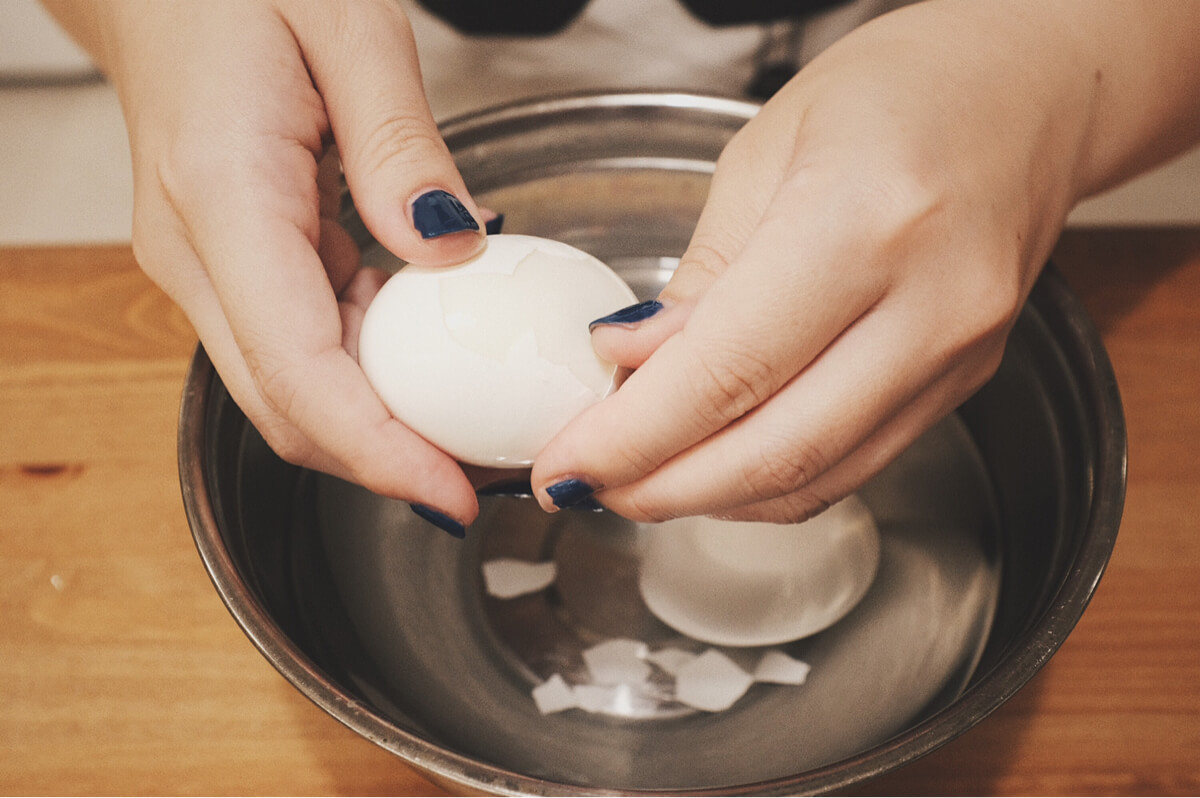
[(997, 527)]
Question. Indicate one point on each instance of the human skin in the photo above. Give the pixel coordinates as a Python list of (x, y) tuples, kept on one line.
[(868, 241), (867, 244), (232, 108)]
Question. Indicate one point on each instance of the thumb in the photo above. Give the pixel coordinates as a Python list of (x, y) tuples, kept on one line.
[(363, 61)]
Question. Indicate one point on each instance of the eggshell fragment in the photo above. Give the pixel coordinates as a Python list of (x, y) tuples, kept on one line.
[(618, 661), (670, 659), (712, 682), (489, 359), (777, 667), (605, 698), (554, 695), (507, 578), (732, 583)]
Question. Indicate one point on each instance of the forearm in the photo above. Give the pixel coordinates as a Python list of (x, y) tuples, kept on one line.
[(1144, 61), (89, 23), (1125, 75)]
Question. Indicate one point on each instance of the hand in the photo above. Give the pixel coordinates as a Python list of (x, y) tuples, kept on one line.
[(232, 109), (868, 241)]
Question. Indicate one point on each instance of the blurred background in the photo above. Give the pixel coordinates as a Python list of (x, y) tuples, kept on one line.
[(64, 160)]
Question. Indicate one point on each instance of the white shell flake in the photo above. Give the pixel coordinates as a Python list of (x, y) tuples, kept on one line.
[(602, 698), (670, 659), (618, 661), (507, 578), (712, 682), (554, 695), (777, 667)]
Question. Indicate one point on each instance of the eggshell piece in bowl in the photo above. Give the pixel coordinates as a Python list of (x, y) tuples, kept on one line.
[(759, 584)]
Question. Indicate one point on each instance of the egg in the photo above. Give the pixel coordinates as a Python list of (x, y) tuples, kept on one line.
[(489, 359), (756, 584)]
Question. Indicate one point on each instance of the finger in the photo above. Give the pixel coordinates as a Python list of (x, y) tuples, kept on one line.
[(742, 188), (834, 426), (186, 283), (329, 183), (286, 330), (335, 246), (788, 295), (338, 253), (861, 465), (353, 303), (418, 472), (399, 171)]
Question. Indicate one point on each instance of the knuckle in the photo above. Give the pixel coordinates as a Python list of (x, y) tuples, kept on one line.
[(728, 382), (398, 137), (902, 201), (279, 386), (801, 506), (364, 22), (988, 305), (189, 163), (637, 455), (639, 507), (642, 512), (998, 305), (780, 471), (703, 259), (795, 508), (980, 369), (285, 440)]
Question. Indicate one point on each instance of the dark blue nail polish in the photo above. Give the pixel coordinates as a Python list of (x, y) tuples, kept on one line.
[(629, 315), (440, 520), (587, 505), (438, 213), (493, 226), (569, 492)]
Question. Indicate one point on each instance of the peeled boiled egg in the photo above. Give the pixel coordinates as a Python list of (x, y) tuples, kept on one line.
[(755, 584), (489, 359)]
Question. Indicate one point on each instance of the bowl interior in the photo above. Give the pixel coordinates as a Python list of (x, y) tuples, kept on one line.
[(996, 526)]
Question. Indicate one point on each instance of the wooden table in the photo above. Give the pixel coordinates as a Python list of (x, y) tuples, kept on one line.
[(121, 671)]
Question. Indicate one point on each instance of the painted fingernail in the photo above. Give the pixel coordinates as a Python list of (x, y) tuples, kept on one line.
[(569, 492), (438, 213), (587, 505), (440, 520), (493, 226), (629, 315)]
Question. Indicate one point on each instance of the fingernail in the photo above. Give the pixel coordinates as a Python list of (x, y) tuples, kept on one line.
[(440, 520), (492, 226), (438, 213), (629, 315), (588, 505), (569, 492)]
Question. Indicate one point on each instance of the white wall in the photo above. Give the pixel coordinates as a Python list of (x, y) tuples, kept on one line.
[(64, 162)]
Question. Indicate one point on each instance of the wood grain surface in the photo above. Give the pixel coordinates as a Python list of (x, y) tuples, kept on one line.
[(121, 672)]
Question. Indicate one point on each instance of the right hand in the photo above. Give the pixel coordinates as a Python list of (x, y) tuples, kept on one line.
[(232, 108)]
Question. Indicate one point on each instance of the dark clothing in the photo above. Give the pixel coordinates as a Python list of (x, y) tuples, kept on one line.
[(540, 17)]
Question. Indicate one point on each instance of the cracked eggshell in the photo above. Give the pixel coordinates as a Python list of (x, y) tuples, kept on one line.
[(712, 682), (489, 359), (507, 578), (730, 583)]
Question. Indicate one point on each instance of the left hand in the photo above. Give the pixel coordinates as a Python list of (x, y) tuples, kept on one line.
[(867, 244)]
